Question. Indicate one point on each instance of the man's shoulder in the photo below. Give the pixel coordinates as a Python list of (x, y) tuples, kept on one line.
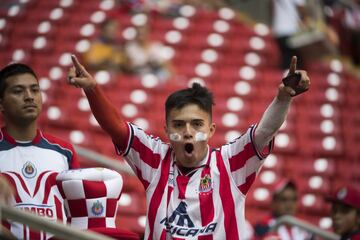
[(54, 140)]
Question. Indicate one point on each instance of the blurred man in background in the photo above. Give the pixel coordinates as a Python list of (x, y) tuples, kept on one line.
[(345, 213), (28, 155), (284, 202), (288, 16)]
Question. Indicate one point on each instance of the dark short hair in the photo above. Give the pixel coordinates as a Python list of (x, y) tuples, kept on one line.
[(289, 185), (12, 70), (197, 94)]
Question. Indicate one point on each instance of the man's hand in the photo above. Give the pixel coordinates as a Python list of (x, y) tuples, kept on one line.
[(295, 83), (6, 191), (79, 77)]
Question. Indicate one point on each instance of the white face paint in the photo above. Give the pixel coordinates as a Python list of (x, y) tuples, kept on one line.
[(199, 136), (175, 137)]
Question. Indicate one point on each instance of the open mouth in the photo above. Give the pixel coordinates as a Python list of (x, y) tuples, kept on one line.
[(189, 147)]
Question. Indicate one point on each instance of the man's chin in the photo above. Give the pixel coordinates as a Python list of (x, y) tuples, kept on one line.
[(29, 118)]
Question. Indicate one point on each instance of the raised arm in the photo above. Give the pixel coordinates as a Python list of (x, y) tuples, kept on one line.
[(276, 113), (104, 111)]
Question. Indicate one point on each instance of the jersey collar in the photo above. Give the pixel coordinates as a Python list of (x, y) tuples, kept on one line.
[(11, 140)]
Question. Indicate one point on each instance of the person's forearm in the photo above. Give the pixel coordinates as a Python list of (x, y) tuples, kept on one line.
[(271, 121), (107, 116)]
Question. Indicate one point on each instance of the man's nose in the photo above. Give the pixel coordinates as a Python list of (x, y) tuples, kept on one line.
[(188, 131), (29, 94)]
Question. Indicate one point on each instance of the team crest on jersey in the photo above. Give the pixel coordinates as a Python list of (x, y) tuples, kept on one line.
[(29, 170), (205, 184), (97, 208)]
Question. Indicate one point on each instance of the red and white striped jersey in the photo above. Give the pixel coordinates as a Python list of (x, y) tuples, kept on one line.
[(31, 167), (207, 205)]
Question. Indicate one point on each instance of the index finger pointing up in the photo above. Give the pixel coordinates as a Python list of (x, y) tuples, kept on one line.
[(293, 65), (76, 63)]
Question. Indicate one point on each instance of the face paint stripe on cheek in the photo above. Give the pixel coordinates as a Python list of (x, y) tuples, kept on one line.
[(175, 137), (200, 136)]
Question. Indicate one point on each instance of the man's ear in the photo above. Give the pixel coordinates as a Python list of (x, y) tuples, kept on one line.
[(212, 129)]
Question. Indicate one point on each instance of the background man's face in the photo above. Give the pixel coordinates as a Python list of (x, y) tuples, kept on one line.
[(285, 202), (190, 125), (22, 101), (345, 218)]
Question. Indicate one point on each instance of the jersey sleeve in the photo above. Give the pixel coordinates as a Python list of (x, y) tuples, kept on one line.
[(108, 117), (143, 153), (243, 159)]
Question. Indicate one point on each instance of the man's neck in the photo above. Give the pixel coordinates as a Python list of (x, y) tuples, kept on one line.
[(22, 133)]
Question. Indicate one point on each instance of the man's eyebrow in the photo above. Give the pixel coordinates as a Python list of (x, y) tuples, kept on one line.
[(177, 120), (192, 120), (24, 86)]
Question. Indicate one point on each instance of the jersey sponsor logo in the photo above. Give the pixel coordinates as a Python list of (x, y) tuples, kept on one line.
[(97, 208), (40, 210), (205, 184), (171, 181), (29, 170), (180, 224)]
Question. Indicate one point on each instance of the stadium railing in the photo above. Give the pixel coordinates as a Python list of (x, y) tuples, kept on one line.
[(104, 161), (293, 221), (60, 230)]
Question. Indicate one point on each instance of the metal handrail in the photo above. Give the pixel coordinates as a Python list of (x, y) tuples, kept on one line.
[(102, 160), (39, 223), (290, 220)]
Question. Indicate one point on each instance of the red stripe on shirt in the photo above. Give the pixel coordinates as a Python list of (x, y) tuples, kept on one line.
[(158, 193), (182, 182), (142, 180), (239, 160), (22, 182), (244, 188), (230, 224), (146, 154), (58, 208), (163, 235), (37, 186), (206, 207), (50, 182), (12, 182)]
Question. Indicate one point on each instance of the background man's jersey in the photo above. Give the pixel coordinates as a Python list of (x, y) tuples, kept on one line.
[(31, 167)]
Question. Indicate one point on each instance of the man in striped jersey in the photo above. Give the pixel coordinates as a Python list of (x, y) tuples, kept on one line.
[(29, 158), (192, 190)]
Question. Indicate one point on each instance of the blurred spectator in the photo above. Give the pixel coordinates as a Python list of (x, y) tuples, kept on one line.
[(345, 213), (344, 16), (146, 56), (352, 25), (284, 202), (287, 17), (106, 52)]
